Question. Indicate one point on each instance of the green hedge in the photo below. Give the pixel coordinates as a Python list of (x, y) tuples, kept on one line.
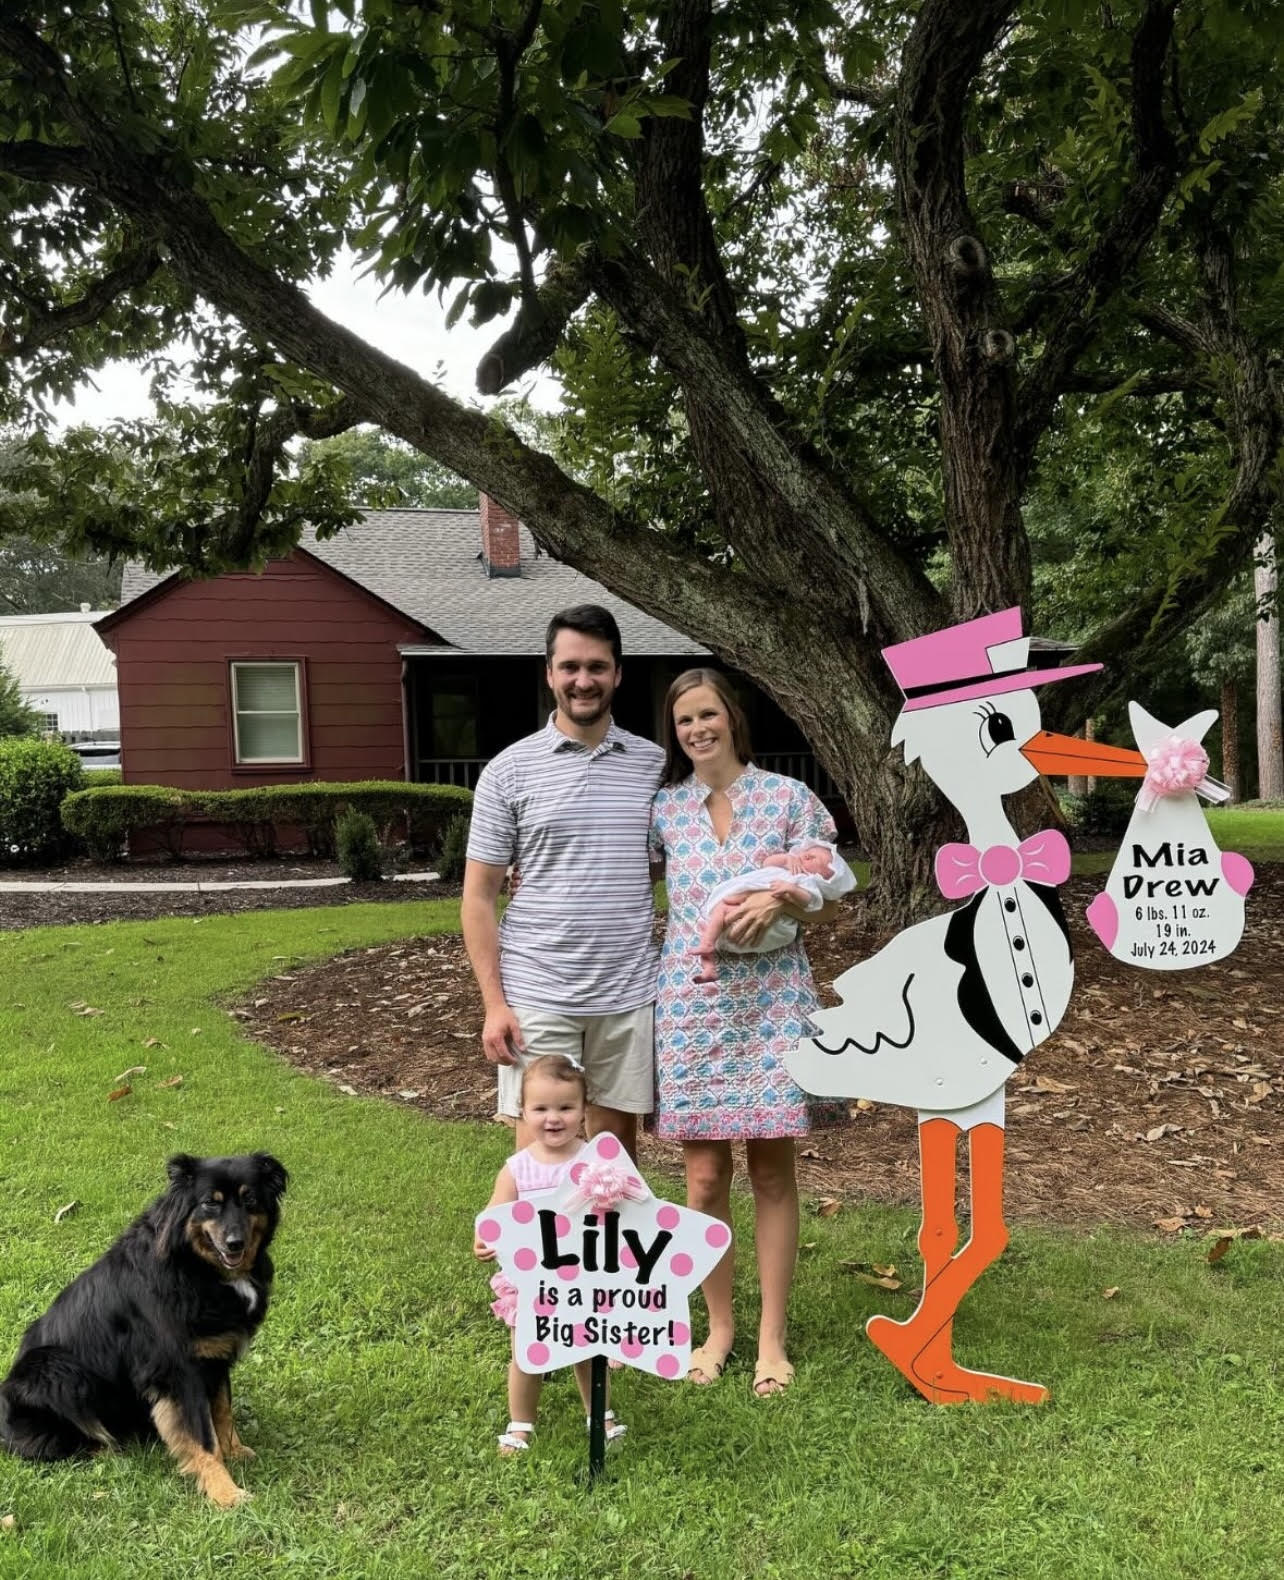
[(104, 816)]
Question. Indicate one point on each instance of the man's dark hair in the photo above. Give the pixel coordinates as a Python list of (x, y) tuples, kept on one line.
[(589, 619)]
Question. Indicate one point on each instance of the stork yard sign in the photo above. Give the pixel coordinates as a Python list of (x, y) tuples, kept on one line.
[(946, 1012)]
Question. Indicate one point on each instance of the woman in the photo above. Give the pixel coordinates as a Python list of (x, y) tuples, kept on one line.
[(719, 1046)]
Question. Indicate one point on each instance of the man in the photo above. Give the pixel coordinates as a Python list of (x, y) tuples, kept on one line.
[(572, 968)]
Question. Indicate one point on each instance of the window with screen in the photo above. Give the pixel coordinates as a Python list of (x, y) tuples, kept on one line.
[(267, 712)]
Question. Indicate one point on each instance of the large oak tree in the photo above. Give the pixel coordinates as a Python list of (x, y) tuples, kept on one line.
[(836, 290)]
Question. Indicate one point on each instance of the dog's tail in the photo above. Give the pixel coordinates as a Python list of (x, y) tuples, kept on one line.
[(50, 1406)]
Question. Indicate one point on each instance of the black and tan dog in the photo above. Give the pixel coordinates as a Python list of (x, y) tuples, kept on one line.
[(143, 1341)]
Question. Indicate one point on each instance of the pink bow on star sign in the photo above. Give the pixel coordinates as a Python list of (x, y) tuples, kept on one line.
[(602, 1186), (962, 870)]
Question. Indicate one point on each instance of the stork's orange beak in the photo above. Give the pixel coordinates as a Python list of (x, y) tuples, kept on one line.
[(1067, 754)]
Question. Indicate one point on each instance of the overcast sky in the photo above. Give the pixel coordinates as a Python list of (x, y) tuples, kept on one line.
[(410, 328)]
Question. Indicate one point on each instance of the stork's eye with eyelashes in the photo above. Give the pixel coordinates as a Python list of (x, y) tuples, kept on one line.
[(996, 728)]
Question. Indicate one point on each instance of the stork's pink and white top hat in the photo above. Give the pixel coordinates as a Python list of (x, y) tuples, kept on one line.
[(981, 658)]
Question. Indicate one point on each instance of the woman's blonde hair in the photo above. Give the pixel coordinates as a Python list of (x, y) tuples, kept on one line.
[(677, 765)]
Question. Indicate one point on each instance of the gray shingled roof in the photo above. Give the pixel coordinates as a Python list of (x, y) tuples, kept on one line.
[(427, 564)]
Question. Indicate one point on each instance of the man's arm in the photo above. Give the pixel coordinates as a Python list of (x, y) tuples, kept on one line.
[(501, 1033)]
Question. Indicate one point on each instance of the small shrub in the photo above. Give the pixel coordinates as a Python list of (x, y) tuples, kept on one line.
[(356, 843), (1103, 813), (103, 816), (454, 848), (35, 775)]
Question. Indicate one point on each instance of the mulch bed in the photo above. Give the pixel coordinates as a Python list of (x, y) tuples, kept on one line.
[(1156, 1104)]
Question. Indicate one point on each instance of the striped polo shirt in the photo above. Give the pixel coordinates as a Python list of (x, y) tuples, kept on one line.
[(576, 937)]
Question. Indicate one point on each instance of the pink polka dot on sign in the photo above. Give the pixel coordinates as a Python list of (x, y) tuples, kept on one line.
[(608, 1147), (681, 1264), (566, 1274), (631, 1348), (537, 1354), (525, 1259), (581, 1334), (627, 1258), (717, 1234), (577, 1171), (488, 1230), (543, 1309), (681, 1333), (562, 1224), (523, 1212), (668, 1218), (668, 1366)]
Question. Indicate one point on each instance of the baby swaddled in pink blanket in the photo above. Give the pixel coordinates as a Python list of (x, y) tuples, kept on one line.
[(807, 876)]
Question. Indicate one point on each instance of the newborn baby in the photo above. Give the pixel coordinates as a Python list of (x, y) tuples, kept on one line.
[(807, 876)]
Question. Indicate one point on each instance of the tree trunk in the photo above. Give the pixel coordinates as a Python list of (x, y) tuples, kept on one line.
[(1230, 741), (1270, 755)]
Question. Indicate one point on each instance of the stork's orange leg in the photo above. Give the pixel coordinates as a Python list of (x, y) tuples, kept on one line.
[(921, 1347)]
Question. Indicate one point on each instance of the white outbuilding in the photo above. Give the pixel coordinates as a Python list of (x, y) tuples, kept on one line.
[(65, 671)]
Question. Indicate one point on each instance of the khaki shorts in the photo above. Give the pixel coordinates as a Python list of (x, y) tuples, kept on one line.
[(617, 1052)]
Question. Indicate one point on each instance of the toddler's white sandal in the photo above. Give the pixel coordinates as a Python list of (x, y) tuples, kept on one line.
[(510, 1443), (614, 1428)]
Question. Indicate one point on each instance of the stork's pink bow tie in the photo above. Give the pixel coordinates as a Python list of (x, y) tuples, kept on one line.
[(963, 869)]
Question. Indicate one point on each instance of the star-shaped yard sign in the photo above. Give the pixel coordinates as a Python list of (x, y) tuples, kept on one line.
[(613, 1282)]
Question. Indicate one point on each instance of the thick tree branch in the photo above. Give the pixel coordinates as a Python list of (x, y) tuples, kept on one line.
[(1114, 255), (41, 328), (826, 526), (47, 162), (539, 325)]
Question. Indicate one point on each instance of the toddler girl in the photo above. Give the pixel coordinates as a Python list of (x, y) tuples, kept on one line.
[(553, 1097)]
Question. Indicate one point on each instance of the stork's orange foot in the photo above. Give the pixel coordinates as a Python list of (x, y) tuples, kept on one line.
[(926, 1363)]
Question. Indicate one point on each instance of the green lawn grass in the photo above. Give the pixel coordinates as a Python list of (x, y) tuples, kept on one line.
[(376, 1386)]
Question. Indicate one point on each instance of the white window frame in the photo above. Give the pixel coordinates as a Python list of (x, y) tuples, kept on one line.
[(238, 664)]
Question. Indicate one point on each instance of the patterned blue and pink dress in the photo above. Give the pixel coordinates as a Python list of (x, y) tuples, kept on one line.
[(719, 1047)]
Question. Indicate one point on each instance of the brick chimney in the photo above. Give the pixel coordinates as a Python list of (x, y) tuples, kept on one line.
[(501, 543)]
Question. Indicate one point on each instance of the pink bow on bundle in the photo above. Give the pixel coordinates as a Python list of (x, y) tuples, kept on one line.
[(602, 1186), (1177, 765), (963, 869)]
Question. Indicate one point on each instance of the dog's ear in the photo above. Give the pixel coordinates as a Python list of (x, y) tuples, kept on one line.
[(272, 1174), (181, 1169)]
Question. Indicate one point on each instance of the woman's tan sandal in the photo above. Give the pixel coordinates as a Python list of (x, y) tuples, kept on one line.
[(706, 1362), (510, 1443), (771, 1378)]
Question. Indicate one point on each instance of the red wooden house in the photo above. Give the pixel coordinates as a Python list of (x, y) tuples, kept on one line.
[(410, 646)]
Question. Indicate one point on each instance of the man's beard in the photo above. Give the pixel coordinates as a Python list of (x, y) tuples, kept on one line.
[(574, 706)]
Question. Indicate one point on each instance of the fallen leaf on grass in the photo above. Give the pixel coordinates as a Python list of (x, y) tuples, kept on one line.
[(1203, 1212), (134, 1069), (7, 1522), (1109, 1294), (153, 1042), (1170, 1225), (872, 1273), (81, 1008), (1225, 1238), (827, 1206), (1160, 1131), (121, 1091), (64, 1212), (174, 1080)]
